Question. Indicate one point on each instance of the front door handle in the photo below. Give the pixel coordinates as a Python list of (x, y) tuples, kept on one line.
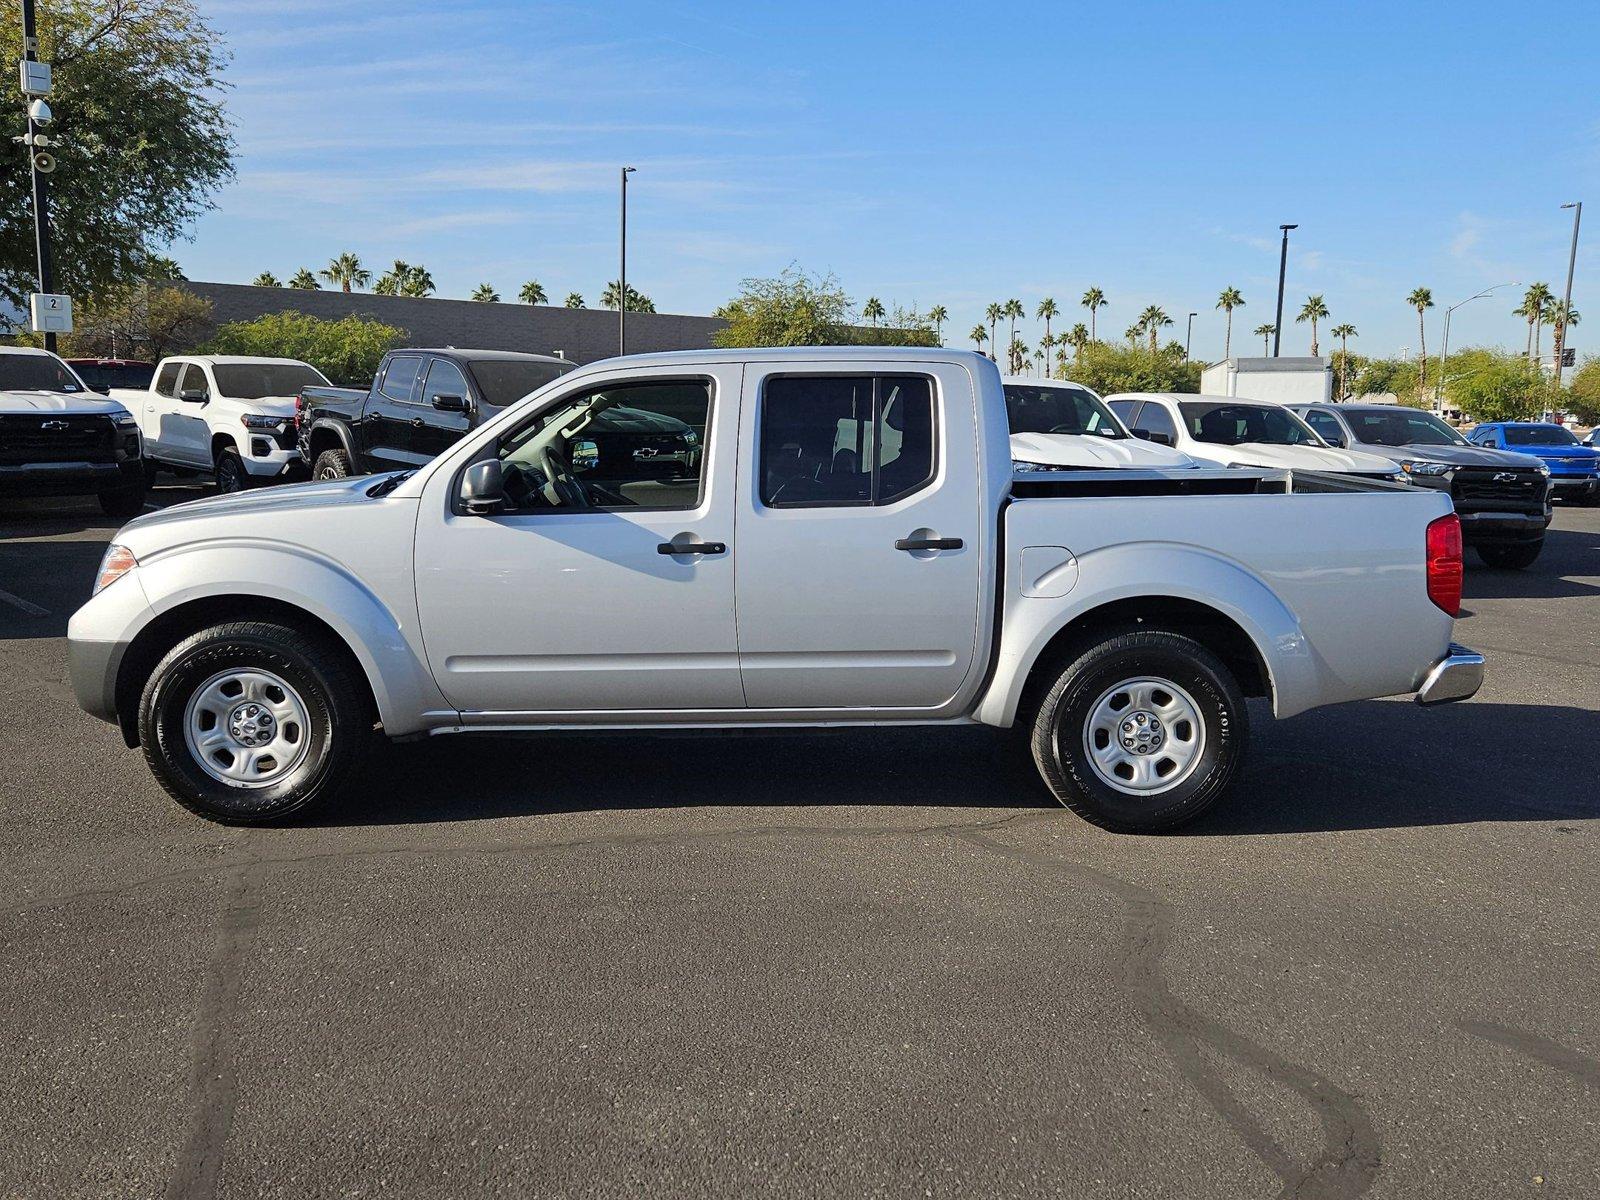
[(417, 422), (935, 543), (692, 548)]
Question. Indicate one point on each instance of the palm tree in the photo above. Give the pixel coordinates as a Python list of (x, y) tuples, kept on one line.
[(1421, 299), (268, 279), (389, 282), (1015, 312), (938, 315), (1061, 359), (573, 300), (993, 314), (637, 300), (1078, 339), (1264, 332), (1132, 333), (1151, 321), (1019, 355), (979, 337), (1562, 315), (1344, 333), (486, 293), (1039, 359), (418, 283), (1046, 343), (1094, 299), (346, 270), (533, 292), (1313, 310), (1046, 312), (303, 280), (1534, 302), (1227, 302), (872, 310)]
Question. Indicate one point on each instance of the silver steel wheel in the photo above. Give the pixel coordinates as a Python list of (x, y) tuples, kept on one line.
[(1144, 736), (247, 728)]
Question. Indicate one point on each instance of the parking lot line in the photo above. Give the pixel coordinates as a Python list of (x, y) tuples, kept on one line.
[(33, 610)]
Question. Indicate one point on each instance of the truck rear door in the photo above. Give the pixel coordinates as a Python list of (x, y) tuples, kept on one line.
[(386, 426), (859, 555)]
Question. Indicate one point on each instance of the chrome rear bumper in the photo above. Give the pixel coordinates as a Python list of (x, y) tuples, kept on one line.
[(1456, 676)]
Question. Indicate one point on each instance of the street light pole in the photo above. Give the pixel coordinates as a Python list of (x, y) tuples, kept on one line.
[(41, 186), (622, 273), (1566, 301), (1283, 269), (1188, 337)]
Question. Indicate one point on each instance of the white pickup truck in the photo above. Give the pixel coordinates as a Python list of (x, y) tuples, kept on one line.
[(226, 415), (762, 538)]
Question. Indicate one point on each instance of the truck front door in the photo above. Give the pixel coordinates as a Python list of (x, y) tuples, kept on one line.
[(184, 428), (860, 550), (606, 583), (441, 428)]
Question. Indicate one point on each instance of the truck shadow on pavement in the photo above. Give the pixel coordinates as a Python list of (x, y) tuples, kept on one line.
[(1567, 553), (1372, 765)]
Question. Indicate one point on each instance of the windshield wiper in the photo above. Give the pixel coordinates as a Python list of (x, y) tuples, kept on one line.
[(384, 486)]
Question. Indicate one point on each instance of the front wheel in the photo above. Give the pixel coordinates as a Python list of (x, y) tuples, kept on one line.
[(231, 475), (254, 722), (1511, 558), (1142, 732)]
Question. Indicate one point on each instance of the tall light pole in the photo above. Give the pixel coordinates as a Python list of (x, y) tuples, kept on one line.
[(33, 142), (1444, 352), (1283, 269), (1188, 336), (1566, 303), (622, 273)]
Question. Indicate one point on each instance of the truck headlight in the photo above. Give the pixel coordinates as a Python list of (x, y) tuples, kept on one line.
[(260, 421), (1544, 470), (124, 420), (1018, 464), (1420, 466), (118, 561)]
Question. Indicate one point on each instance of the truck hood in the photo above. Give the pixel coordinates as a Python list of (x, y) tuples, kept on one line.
[(1304, 458), (166, 527), (1459, 456), (60, 403), (1560, 454), (1088, 450)]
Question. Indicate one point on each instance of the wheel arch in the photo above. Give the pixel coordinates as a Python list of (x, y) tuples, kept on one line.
[(328, 435)]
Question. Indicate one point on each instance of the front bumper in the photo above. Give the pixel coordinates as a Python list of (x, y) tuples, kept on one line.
[(1570, 486), (1478, 528), (265, 459), (1456, 676), (69, 478)]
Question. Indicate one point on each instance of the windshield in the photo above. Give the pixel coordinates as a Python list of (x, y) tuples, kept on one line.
[(36, 372), (504, 381), (1233, 424), (1041, 409), (1402, 427), (103, 376), (252, 381), (1538, 435)]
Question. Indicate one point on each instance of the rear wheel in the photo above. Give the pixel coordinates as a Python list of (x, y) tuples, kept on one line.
[(231, 475), (1511, 558), (253, 722), (332, 464), (1142, 732)]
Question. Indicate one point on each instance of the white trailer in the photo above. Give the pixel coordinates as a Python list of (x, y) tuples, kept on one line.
[(1284, 380)]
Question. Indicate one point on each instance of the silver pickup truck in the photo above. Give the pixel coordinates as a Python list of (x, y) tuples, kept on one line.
[(762, 538)]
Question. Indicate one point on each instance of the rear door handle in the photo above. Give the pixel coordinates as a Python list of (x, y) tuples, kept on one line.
[(692, 548), (928, 544), (417, 422)]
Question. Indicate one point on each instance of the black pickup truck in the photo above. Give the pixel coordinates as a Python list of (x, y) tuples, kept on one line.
[(420, 402)]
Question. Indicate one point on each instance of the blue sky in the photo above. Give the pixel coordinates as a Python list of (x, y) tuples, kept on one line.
[(927, 153)]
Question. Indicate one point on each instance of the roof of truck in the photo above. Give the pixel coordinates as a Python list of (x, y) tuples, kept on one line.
[(1183, 397), (486, 355), (803, 354), (232, 360)]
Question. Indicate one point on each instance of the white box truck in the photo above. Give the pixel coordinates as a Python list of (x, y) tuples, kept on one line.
[(1284, 380)]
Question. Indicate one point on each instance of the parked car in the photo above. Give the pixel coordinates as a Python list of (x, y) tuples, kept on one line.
[(58, 438), (1593, 440), (1574, 467), (851, 547), (420, 403), (1241, 433), (103, 374), (1503, 499), (1058, 425), (226, 415)]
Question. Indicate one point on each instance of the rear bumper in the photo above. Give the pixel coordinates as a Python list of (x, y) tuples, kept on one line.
[(1456, 676)]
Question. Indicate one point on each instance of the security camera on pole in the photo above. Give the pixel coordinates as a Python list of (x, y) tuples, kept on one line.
[(48, 312)]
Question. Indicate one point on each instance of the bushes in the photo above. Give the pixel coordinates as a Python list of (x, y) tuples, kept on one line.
[(1109, 369), (347, 350)]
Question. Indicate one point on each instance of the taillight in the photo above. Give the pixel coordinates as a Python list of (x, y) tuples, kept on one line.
[(299, 410), (1445, 566)]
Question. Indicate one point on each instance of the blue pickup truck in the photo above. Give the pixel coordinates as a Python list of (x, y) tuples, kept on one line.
[(1574, 467)]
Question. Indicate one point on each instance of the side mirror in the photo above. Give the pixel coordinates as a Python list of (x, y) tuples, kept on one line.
[(1142, 434), (585, 455), (451, 403), (194, 395), (483, 488)]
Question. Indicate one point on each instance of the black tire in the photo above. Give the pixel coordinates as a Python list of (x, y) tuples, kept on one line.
[(231, 475), (1511, 558), (338, 726), (1060, 728), (333, 464), (125, 503)]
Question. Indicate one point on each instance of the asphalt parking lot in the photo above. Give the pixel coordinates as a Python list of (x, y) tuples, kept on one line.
[(864, 963)]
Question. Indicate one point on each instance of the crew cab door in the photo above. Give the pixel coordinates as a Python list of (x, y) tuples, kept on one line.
[(441, 428), (606, 584), (860, 557), (183, 436), (386, 433)]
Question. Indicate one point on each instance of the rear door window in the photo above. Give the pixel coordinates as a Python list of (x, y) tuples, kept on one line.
[(842, 440), (400, 377)]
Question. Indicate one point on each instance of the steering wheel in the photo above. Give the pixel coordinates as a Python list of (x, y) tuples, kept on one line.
[(561, 490)]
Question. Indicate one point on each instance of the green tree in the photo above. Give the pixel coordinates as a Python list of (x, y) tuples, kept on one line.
[(873, 310), (1094, 300), (1421, 299), (303, 280), (1500, 387), (346, 350), (1016, 356), (1014, 312), (1535, 302), (404, 279), (994, 314), (485, 293), (573, 300), (266, 279), (637, 300), (140, 321), (1229, 300), (1151, 322), (140, 132), (1047, 312), (1344, 333), (1314, 309), (790, 309), (1583, 397), (938, 315), (1561, 317), (1265, 332), (979, 337), (158, 268), (1078, 338), (346, 270), (533, 292), (1110, 368)]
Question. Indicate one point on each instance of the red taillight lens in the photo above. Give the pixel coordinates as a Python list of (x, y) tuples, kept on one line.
[(1445, 566), (299, 410)]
